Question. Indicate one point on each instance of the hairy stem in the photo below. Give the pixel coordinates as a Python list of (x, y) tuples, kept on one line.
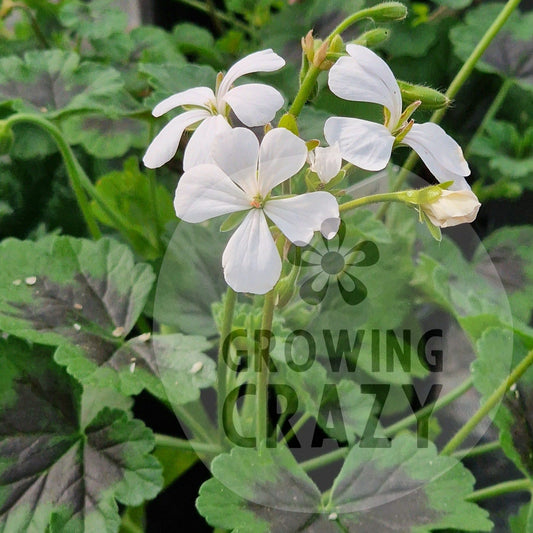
[(222, 378)]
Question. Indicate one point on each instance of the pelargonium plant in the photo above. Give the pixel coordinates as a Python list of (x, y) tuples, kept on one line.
[(302, 307)]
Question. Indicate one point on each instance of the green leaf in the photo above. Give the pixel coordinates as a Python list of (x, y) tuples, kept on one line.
[(84, 297), (511, 259), (168, 79), (184, 301), (103, 136), (509, 54), (73, 470), (195, 41), (155, 45), (523, 521), (129, 192), (384, 489), (52, 82), (97, 19), (498, 354)]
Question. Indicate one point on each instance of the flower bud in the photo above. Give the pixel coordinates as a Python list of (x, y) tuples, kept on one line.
[(430, 98), (6, 137), (373, 37), (388, 11), (452, 208), (337, 45)]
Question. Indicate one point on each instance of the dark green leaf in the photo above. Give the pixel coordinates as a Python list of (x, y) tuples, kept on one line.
[(55, 467), (510, 54)]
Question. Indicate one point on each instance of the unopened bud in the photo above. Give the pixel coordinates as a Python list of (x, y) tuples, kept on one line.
[(308, 46), (6, 137), (319, 59), (388, 11), (430, 98), (373, 37), (337, 45)]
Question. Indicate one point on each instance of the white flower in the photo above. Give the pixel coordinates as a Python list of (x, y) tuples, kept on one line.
[(242, 180), (326, 162), (254, 104), (365, 77), (452, 208)]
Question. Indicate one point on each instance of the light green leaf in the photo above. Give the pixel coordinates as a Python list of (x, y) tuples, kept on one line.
[(52, 82), (97, 19), (103, 136), (498, 354), (129, 192)]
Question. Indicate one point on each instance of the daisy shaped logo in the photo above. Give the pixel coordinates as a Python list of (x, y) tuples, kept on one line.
[(329, 263)]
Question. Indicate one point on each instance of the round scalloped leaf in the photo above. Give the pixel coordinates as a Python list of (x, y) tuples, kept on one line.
[(401, 488), (54, 81), (58, 467), (85, 297)]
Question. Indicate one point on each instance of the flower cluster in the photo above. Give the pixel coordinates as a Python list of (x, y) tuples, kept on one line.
[(228, 170)]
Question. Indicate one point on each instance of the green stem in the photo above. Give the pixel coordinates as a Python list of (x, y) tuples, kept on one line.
[(516, 485), (491, 112), (33, 23), (430, 408), (74, 170), (372, 199), (458, 82), (491, 402), (261, 367), (78, 178), (478, 450), (306, 88), (295, 428), (222, 378), (324, 460), (198, 428), (183, 444), (219, 15)]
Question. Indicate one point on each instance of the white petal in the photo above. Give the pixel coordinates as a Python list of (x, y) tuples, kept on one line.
[(365, 144), (365, 77), (254, 104), (327, 162), (200, 145), (205, 192), (300, 216), (197, 96), (453, 208), (251, 260), (236, 154), (281, 156), (262, 61), (440, 153), (164, 146)]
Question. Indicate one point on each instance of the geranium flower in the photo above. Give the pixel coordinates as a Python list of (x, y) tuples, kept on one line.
[(452, 208), (365, 77), (242, 179), (254, 104)]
